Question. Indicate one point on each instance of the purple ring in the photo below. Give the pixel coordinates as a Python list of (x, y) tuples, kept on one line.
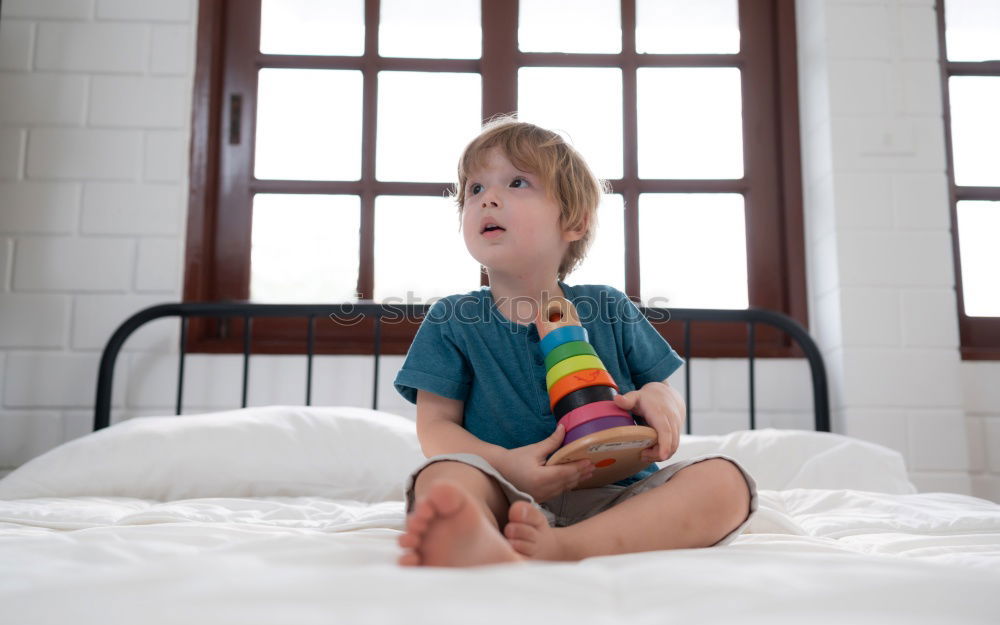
[(595, 425)]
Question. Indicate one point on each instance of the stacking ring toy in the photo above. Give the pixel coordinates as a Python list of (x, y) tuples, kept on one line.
[(565, 334), (568, 350), (596, 410), (578, 380), (592, 427), (571, 365), (581, 395)]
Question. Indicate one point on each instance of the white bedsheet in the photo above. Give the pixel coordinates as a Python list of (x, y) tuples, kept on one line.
[(811, 556), (285, 515)]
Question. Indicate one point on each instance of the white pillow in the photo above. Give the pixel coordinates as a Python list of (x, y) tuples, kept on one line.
[(783, 459), (336, 452)]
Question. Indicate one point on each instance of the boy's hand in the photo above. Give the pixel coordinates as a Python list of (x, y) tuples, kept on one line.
[(663, 409), (525, 468)]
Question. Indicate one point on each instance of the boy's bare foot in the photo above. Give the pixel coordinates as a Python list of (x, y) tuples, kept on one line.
[(448, 528), (529, 534)]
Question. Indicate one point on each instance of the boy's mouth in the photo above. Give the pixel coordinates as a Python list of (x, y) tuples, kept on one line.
[(491, 227)]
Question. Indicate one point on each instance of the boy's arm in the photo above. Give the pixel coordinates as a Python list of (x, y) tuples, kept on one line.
[(439, 428)]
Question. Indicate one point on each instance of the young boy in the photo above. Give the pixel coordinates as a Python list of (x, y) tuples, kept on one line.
[(528, 207)]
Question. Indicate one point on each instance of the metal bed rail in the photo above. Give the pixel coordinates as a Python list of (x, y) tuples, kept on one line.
[(249, 311)]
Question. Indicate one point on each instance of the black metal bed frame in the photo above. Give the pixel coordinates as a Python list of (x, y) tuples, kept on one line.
[(248, 311)]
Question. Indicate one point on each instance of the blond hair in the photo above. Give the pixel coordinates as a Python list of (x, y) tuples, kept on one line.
[(566, 176)]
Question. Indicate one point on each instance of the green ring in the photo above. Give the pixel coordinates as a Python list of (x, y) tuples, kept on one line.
[(571, 365), (566, 350)]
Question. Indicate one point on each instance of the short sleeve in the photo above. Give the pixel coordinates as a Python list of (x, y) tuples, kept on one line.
[(650, 357), (434, 361)]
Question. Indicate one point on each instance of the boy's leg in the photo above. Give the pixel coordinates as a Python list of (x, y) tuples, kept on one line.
[(480, 486), (697, 507), (455, 518)]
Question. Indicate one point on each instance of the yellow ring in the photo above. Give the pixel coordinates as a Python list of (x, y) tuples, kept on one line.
[(571, 365)]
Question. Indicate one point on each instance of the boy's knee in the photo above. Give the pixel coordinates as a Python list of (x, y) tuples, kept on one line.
[(479, 484), (732, 488), (469, 476), (448, 469)]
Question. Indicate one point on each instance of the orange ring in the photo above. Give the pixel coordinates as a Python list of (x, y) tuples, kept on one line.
[(577, 380)]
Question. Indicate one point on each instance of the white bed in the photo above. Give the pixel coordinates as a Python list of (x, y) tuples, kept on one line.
[(291, 514)]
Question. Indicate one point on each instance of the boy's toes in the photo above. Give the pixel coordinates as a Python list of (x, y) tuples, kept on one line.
[(528, 532), (520, 532), (525, 528), (444, 500), (524, 512), (420, 518), (517, 538), (409, 558)]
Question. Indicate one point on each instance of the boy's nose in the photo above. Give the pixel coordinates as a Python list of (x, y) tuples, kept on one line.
[(490, 198)]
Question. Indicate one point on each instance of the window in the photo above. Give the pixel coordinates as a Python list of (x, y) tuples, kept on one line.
[(970, 44), (326, 136)]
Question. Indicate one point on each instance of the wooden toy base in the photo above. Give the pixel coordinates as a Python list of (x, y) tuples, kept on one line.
[(615, 452)]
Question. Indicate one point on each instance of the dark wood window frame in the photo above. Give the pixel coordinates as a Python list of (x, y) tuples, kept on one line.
[(980, 336), (218, 235)]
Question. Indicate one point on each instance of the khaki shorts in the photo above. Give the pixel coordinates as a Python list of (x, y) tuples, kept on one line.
[(577, 505)]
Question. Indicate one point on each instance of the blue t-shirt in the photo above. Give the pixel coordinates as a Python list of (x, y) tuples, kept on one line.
[(465, 349)]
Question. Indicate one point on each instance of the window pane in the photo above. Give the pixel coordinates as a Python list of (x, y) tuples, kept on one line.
[(308, 124), (687, 27), (437, 29), (424, 121), (605, 262), (583, 104), (419, 250), (693, 250), (978, 233), (325, 27), (577, 26), (975, 130), (304, 248), (972, 30), (690, 123)]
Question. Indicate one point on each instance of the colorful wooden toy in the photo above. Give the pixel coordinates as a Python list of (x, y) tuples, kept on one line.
[(581, 394)]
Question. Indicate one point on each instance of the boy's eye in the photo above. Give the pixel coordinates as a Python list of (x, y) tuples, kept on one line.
[(475, 188), (517, 183)]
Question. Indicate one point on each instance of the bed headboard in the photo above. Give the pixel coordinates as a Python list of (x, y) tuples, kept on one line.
[(248, 311)]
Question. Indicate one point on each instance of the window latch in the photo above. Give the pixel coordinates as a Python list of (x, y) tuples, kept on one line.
[(235, 117)]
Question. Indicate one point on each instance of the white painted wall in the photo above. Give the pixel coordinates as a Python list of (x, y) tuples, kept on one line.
[(94, 118)]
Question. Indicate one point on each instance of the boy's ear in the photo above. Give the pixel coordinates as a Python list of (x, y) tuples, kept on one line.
[(577, 233)]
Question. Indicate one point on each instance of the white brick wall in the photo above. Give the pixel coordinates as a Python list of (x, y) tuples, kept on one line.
[(39, 207), (34, 321), (92, 47), (11, 153), (880, 264), (95, 100), (131, 209), (982, 406), (72, 264), (83, 154), (53, 99), (49, 9), (16, 45)]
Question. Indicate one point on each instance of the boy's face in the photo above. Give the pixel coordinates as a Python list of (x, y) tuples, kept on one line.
[(530, 239)]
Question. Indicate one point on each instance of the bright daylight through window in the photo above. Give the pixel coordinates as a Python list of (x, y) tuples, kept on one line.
[(305, 246)]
